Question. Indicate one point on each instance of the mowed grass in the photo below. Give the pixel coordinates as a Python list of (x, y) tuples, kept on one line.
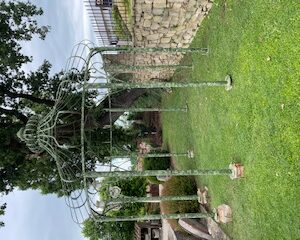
[(257, 123)]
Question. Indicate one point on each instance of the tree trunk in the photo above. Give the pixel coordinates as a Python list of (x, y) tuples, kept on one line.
[(122, 100), (30, 97), (12, 112)]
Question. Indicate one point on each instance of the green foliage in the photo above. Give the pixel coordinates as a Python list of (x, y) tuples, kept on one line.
[(91, 230), (177, 186), (2, 212), (153, 180), (121, 29), (107, 231), (257, 123), (18, 89), (130, 186), (127, 4), (152, 208), (123, 141), (17, 24), (133, 186), (118, 230), (18, 93), (156, 163)]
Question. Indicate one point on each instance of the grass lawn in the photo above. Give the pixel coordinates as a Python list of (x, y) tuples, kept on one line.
[(257, 123)]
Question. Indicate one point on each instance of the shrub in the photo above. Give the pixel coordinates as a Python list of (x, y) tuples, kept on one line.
[(177, 186), (152, 208), (156, 163), (153, 180)]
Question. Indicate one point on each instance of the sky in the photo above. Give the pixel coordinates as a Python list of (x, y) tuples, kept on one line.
[(30, 215)]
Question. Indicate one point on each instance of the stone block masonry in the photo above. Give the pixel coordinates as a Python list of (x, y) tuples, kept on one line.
[(172, 23), (166, 24)]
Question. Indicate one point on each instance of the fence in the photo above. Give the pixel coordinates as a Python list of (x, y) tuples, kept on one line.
[(111, 21)]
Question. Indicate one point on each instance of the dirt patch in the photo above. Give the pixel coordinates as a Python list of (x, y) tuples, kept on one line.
[(223, 5)]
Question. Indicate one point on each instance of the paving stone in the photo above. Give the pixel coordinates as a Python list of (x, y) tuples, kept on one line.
[(195, 228)]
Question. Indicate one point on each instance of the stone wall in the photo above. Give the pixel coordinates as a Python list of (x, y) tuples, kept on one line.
[(165, 24), (144, 59)]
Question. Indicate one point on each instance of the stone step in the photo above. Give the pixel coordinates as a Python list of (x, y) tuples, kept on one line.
[(195, 228)]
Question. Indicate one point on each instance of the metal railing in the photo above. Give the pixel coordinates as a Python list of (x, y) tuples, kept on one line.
[(111, 21)]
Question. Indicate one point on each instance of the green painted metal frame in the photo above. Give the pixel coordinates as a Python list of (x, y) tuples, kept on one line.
[(184, 109), (39, 131), (148, 155), (166, 173), (162, 173), (155, 217), (153, 199), (128, 49), (154, 84)]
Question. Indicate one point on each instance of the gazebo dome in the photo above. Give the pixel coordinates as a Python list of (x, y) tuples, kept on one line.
[(29, 134)]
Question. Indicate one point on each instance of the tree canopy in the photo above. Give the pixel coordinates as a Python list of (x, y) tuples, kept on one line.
[(22, 94), (17, 88), (2, 212), (117, 230)]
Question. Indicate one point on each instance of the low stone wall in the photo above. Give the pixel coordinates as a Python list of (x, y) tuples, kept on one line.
[(167, 23), (145, 59)]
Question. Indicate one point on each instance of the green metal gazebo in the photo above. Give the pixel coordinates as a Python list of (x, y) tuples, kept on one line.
[(63, 131)]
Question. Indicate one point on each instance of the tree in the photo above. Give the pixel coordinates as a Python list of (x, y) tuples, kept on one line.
[(2, 212), (17, 24), (117, 230), (91, 230), (22, 94), (18, 89), (18, 167), (107, 230)]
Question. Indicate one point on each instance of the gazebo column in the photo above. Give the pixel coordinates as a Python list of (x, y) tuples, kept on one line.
[(127, 49), (227, 83), (184, 109), (235, 171), (157, 199), (163, 173), (154, 217), (188, 154)]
